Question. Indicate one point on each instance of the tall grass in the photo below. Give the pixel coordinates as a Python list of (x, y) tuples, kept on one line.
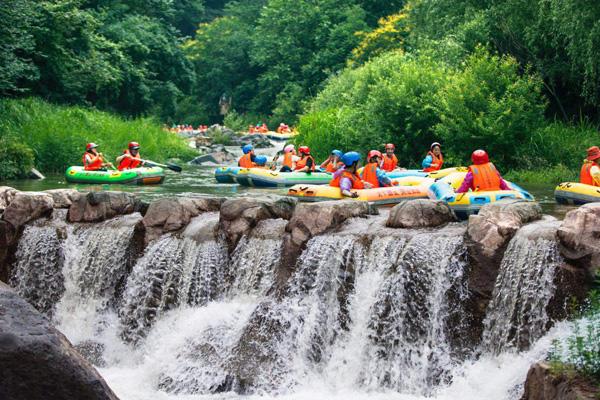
[(57, 134)]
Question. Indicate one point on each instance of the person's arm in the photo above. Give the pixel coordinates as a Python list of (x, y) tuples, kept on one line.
[(346, 188), (467, 183), (427, 162), (326, 162), (503, 184), (383, 179)]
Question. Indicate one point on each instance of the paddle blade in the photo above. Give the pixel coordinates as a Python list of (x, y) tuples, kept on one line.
[(174, 167)]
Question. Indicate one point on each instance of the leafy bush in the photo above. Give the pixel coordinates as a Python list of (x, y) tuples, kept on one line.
[(581, 351), (17, 158), (57, 135)]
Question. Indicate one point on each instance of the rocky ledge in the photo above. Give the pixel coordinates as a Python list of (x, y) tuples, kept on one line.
[(544, 384)]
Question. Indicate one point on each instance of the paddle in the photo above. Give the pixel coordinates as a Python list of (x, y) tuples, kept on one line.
[(170, 166)]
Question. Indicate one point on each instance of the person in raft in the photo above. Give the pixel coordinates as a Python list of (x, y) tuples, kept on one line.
[(434, 159), (347, 178), (333, 162), (389, 161), (590, 170), (289, 158), (92, 160), (247, 160), (482, 176), (306, 163), (131, 157), (372, 174), (261, 162)]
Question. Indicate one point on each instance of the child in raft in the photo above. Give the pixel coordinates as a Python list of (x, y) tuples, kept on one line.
[(247, 160), (93, 160), (333, 162), (347, 177), (372, 174), (306, 163), (590, 171), (482, 176), (289, 158), (389, 160), (434, 159)]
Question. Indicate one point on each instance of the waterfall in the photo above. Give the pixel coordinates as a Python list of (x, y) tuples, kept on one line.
[(516, 316)]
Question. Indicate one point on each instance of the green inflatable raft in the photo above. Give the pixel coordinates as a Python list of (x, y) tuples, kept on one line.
[(136, 176)]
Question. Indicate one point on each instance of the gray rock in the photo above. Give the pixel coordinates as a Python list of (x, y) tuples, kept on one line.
[(8, 238), (35, 174), (420, 213), (7, 194), (579, 236), (544, 384), (37, 361), (174, 213), (216, 158), (64, 198), (28, 206), (100, 206)]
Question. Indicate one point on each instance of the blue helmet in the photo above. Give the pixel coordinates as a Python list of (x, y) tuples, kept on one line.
[(247, 148), (350, 158), (337, 153), (260, 160)]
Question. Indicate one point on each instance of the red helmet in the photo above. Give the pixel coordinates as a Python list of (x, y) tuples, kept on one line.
[(304, 149), (480, 157), (133, 145), (390, 146), (90, 146), (374, 153)]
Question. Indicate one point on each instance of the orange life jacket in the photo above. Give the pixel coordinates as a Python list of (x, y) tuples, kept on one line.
[(585, 175), (436, 162), (301, 163), (369, 174), (356, 181), (129, 162), (485, 177), (389, 163), (288, 160), (94, 164), (245, 161), (331, 167)]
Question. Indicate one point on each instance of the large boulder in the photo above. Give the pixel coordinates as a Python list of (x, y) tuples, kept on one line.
[(37, 361), (215, 158), (100, 206), (420, 213), (28, 206), (174, 213), (8, 238), (64, 198), (579, 236), (544, 384), (239, 216), (6, 196)]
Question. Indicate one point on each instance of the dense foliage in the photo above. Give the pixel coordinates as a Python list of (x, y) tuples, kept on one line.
[(54, 137)]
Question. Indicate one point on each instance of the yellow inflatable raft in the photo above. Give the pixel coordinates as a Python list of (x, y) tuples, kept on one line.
[(576, 193), (465, 204)]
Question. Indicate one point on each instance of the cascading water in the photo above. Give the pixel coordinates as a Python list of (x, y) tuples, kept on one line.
[(516, 317)]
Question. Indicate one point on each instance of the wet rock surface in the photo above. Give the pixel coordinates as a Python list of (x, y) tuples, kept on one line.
[(6, 196), (543, 384), (64, 198), (420, 213), (37, 361), (28, 206), (100, 206), (579, 236)]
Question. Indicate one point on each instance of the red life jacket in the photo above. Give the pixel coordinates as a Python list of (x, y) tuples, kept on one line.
[(585, 176), (369, 174), (331, 167), (485, 177), (389, 163), (436, 162), (94, 164), (129, 162), (288, 160), (246, 161), (356, 181), (301, 163)]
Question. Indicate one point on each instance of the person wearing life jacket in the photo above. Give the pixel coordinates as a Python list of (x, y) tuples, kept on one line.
[(389, 161), (289, 158), (92, 160), (434, 159), (333, 162), (247, 160), (372, 173), (261, 162), (482, 176), (347, 178), (130, 158), (590, 170), (306, 163)]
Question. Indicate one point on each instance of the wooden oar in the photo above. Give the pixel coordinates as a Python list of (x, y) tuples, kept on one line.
[(172, 167)]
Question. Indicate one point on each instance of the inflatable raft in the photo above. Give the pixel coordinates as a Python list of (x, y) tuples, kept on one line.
[(420, 173), (465, 204), (227, 174), (576, 193), (259, 177), (136, 176), (280, 136)]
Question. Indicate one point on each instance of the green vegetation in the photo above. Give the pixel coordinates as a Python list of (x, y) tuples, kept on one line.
[(580, 352), (33, 132)]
